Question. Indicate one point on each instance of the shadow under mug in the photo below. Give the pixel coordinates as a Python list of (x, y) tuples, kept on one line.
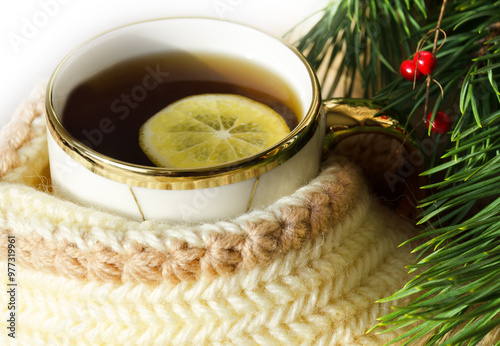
[(86, 176)]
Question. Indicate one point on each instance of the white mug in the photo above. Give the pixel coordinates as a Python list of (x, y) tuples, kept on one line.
[(88, 177)]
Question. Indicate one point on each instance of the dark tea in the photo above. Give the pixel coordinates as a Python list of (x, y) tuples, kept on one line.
[(106, 111)]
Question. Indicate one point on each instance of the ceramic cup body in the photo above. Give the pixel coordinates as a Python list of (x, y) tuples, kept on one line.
[(85, 176)]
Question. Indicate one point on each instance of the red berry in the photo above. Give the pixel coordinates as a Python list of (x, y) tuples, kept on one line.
[(407, 70), (441, 123), (426, 62)]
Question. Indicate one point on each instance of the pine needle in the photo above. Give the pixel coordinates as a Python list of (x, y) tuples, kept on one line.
[(456, 295)]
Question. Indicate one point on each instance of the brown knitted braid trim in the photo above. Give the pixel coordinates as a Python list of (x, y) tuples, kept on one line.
[(222, 254), (19, 131)]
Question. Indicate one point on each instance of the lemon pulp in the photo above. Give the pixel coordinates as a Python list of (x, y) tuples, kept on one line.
[(210, 129)]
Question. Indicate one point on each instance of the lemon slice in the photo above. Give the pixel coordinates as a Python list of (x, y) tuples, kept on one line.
[(210, 129)]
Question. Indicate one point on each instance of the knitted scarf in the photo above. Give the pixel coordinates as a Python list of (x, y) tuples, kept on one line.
[(308, 269)]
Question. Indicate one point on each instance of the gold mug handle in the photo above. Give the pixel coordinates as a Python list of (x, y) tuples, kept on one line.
[(389, 159)]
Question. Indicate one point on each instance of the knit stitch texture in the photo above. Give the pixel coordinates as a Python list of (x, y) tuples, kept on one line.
[(306, 270)]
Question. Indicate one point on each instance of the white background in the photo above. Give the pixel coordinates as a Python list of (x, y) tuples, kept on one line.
[(36, 34)]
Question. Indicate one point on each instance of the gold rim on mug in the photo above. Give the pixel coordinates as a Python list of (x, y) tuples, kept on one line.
[(185, 179)]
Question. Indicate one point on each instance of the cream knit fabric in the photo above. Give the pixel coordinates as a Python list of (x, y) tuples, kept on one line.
[(307, 270)]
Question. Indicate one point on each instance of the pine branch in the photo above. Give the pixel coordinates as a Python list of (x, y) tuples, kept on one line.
[(456, 295), (362, 32)]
